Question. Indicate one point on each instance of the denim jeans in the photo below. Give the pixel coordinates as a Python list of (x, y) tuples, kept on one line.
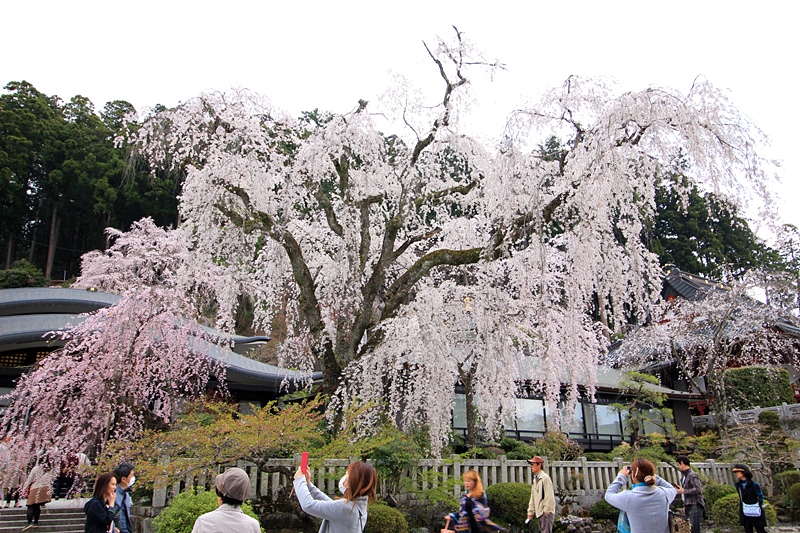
[(695, 515)]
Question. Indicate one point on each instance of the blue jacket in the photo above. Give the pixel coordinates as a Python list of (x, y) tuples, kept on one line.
[(122, 511)]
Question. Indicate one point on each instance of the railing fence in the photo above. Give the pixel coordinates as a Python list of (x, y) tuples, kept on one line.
[(587, 480)]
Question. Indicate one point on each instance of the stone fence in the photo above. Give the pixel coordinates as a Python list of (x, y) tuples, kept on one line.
[(586, 480), (749, 416)]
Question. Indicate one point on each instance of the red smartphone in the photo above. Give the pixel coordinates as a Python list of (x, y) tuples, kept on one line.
[(304, 463)]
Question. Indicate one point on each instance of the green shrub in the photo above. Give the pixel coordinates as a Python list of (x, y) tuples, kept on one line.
[(381, 518), (392, 458), (751, 386), (726, 511), (179, 516), (603, 510), (22, 274), (784, 480), (713, 491), (509, 503), (792, 497), (517, 450), (556, 447)]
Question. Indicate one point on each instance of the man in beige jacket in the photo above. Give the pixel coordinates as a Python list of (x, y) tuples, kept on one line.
[(542, 504)]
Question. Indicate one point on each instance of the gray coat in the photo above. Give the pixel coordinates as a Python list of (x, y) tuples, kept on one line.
[(339, 516), (647, 507)]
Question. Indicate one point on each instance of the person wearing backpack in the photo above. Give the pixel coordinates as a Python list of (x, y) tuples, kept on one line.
[(751, 500)]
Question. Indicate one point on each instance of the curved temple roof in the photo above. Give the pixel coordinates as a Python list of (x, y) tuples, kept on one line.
[(26, 315)]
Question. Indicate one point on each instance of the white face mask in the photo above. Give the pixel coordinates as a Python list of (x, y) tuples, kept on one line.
[(342, 488), (131, 480)]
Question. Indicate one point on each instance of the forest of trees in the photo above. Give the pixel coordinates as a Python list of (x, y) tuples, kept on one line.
[(63, 180)]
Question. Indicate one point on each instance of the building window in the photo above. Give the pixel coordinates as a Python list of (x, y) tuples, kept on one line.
[(608, 421), (460, 411), (530, 417)]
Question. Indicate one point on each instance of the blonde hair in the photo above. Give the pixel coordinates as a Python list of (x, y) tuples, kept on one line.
[(477, 490)]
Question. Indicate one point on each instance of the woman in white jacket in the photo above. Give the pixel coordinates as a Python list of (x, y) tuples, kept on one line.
[(347, 514), (647, 503)]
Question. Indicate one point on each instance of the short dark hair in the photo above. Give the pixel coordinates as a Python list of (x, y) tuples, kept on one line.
[(683, 459), (124, 470), (744, 469), (101, 485), (228, 499)]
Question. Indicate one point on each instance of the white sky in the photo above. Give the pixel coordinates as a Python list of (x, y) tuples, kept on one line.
[(307, 54)]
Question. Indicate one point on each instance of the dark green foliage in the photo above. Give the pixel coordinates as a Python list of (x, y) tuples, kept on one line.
[(516, 449), (381, 518), (757, 386), (180, 515), (509, 503), (395, 456), (603, 510), (713, 491), (22, 274), (792, 497), (556, 447), (726, 511), (786, 479), (705, 236), (63, 179)]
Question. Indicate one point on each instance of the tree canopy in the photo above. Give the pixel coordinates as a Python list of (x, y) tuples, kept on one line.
[(356, 225)]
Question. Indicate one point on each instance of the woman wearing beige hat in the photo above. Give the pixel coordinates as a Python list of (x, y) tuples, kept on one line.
[(751, 500), (233, 488)]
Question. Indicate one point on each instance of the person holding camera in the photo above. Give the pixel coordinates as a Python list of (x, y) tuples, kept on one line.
[(646, 505)]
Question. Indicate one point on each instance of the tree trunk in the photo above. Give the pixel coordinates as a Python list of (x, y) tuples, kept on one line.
[(10, 250), (55, 223), (472, 417)]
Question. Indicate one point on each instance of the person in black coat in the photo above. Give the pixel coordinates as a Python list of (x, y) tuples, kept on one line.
[(100, 509), (749, 493)]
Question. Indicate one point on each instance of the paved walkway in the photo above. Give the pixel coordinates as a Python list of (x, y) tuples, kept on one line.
[(61, 503)]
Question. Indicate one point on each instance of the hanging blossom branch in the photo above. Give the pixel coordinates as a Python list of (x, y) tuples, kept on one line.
[(121, 369)]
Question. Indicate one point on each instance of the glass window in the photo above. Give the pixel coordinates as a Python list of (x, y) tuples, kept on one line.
[(574, 426), (460, 411), (530, 415), (607, 420)]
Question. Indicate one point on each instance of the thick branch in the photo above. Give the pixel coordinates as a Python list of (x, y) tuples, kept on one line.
[(398, 291)]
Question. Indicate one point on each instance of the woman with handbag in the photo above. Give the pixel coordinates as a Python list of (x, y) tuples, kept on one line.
[(751, 500), (100, 508), (37, 489), (473, 515)]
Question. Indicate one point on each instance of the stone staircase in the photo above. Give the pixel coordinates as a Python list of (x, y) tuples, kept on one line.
[(58, 520)]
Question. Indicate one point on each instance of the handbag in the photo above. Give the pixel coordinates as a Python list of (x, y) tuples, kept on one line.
[(446, 528), (752, 510), (679, 523)]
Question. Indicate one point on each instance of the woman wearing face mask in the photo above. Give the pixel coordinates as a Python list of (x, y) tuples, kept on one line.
[(347, 514), (645, 508)]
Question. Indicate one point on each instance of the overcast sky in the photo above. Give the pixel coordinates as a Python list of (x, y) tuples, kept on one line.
[(327, 55)]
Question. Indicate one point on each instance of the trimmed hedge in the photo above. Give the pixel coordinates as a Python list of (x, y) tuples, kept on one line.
[(726, 511), (509, 503), (22, 274), (179, 516), (714, 491), (784, 480), (381, 518), (792, 498), (603, 510), (757, 386)]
